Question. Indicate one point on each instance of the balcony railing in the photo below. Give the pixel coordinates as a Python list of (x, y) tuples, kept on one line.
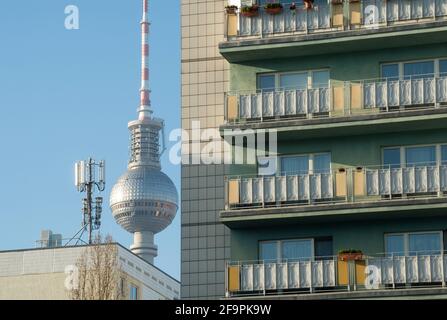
[(331, 273), (352, 185), (337, 99), (334, 17)]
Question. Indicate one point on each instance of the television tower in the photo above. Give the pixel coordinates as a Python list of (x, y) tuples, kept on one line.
[(144, 201)]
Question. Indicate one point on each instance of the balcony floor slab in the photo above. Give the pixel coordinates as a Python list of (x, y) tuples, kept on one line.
[(350, 125), (333, 212), (421, 33)]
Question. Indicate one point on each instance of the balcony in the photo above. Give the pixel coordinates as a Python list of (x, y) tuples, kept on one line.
[(330, 17), (315, 30), (337, 100), (342, 194), (334, 275), (337, 104)]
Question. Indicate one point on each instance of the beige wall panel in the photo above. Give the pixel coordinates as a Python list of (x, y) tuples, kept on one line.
[(232, 25), (233, 192), (337, 15), (356, 96), (355, 13)]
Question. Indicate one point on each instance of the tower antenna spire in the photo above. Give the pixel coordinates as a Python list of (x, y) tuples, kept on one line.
[(145, 110)]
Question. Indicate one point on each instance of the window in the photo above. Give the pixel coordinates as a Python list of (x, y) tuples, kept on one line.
[(304, 164), (391, 158), (268, 251), (320, 79), (443, 68), (266, 82), (296, 249), (416, 243), (420, 156), (419, 70), (444, 155), (322, 163), (323, 248), (133, 292), (295, 165), (293, 80), (390, 72), (414, 69), (424, 243), (415, 156)]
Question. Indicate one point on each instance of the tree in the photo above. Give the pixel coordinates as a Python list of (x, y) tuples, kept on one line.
[(99, 276)]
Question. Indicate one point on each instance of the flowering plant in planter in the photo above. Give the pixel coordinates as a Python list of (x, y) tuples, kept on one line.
[(231, 9), (273, 8), (350, 255), (292, 6), (250, 11)]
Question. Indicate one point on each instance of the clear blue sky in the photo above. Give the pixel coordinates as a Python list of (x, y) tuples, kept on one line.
[(67, 95)]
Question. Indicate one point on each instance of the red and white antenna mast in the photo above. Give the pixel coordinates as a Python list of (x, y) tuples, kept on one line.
[(145, 110)]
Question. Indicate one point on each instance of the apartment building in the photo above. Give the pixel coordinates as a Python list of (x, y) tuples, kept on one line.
[(357, 92)]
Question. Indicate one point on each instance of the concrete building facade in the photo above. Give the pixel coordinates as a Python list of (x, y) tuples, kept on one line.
[(357, 93)]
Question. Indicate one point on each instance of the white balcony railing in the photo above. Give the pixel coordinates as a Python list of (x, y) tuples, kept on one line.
[(260, 278), (345, 186), (338, 99), (334, 17)]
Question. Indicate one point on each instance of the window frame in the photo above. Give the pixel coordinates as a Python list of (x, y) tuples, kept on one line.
[(279, 243), (279, 255), (400, 64), (403, 155), (131, 292), (311, 161), (278, 75), (407, 237)]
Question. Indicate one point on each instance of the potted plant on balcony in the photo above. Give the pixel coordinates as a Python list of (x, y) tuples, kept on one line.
[(337, 1), (308, 4), (231, 9), (354, 1), (250, 11), (273, 8), (350, 255)]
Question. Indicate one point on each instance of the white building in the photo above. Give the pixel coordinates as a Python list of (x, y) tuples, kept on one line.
[(43, 274)]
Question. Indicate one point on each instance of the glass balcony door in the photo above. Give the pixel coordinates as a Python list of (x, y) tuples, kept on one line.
[(295, 250), (413, 244), (415, 156), (306, 164), (293, 80), (413, 70)]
